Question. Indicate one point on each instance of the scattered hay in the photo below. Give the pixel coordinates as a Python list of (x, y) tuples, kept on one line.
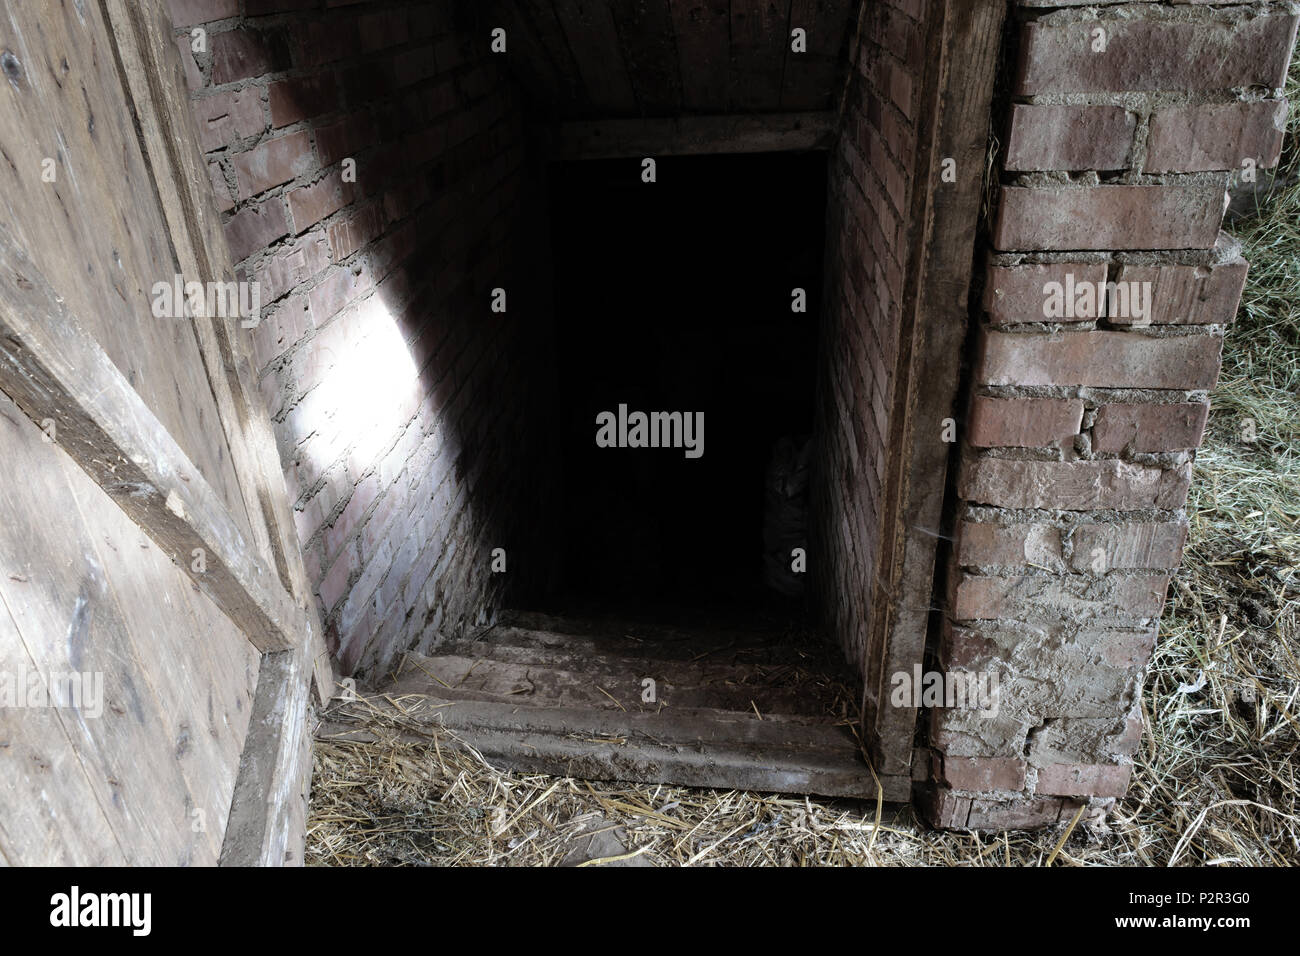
[(1215, 782)]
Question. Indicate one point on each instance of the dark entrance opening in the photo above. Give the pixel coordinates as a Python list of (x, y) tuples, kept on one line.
[(678, 296), (669, 648)]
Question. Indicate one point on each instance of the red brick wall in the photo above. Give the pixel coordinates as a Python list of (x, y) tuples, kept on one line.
[(870, 189), (1081, 427), (395, 390)]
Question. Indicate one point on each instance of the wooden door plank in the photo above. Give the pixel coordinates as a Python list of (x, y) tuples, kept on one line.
[(48, 811), (56, 587), (703, 32), (96, 230), (54, 370), (200, 669)]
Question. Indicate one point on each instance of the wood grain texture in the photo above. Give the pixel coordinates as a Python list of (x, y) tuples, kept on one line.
[(964, 41), (692, 135), (49, 813), (268, 814), (54, 370), (83, 591), (96, 231), (153, 80)]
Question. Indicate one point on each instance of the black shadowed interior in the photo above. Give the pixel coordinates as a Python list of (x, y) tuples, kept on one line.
[(677, 296)]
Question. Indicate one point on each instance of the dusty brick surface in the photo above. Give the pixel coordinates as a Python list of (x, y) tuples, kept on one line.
[(1188, 295), (1072, 486), (1019, 294), (1069, 137), (1023, 422), (1212, 136), (1149, 428), (1109, 217), (1100, 359), (1144, 55)]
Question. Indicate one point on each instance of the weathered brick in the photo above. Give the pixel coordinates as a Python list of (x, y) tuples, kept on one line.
[(349, 519), (280, 328), (308, 205), (1069, 138), (1044, 654), (255, 227), (293, 101), (1189, 139), (1109, 217), (315, 43), (945, 809), (988, 544), (1081, 740), (1199, 54), (336, 290), (1149, 428), (1127, 544), (1072, 485), (350, 235), (239, 54), (1012, 814), (334, 585), (1084, 780), (1094, 547), (380, 30), (292, 266), (223, 118), (985, 597), (1188, 295), (186, 13), (1023, 422), (1101, 359), (984, 773), (1018, 294), (273, 162)]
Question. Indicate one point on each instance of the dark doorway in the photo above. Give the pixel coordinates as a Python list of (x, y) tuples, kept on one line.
[(677, 296)]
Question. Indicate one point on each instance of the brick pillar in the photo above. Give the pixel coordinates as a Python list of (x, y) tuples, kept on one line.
[(1107, 291)]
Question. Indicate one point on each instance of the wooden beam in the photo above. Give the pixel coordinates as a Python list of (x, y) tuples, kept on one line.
[(965, 37), (693, 135), (267, 825), (62, 379), (152, 76)]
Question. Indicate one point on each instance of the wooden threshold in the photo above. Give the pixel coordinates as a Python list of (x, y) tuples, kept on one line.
[(729, 710), (692, 135)]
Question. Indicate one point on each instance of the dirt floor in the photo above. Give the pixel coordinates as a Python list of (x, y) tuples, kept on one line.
[(1215, 783)]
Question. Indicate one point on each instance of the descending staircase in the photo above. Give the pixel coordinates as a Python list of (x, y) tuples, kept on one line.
[(756, 710)]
